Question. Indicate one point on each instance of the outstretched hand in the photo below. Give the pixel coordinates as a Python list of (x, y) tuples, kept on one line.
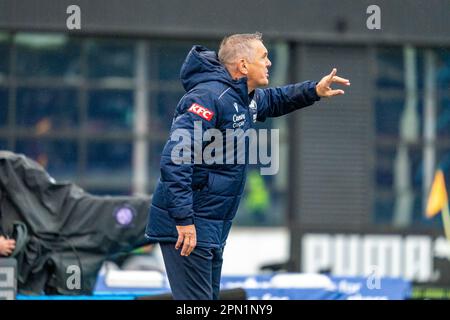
[(188, 238), (323, 88)]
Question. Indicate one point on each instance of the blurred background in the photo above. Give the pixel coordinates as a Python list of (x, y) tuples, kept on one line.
[(94, 106)]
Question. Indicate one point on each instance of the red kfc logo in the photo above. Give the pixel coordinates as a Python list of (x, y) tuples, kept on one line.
[(201, 111)]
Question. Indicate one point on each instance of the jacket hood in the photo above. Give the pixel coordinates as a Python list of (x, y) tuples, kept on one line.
[(202, 65)]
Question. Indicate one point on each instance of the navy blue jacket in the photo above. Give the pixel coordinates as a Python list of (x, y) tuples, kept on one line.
[(203, 194)]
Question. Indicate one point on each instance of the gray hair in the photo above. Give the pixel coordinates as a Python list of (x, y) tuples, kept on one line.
[(237, 46)]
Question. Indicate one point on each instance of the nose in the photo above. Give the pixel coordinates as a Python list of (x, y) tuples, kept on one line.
[(269, 63)]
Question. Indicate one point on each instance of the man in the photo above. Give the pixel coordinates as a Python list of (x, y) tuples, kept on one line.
[(194, 202)]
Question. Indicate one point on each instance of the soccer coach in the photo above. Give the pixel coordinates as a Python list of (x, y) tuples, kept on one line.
[(194, 203)]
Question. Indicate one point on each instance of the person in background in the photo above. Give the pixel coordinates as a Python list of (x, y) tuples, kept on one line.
[(257, 200)]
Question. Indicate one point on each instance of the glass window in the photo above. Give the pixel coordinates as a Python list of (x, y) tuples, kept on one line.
[(47, 55), (420, 71), (110, 58), (443, 116), (388, 112), (279, 56), (47, 109), (110, 110), (399, 121), (3, 144), (154, 158), (399, 167), (4, 54), (443, 162), (166, 58), (4, 109), (390, 69), (384, 207), (394, 119), (399, 180), (58, 157), (443, 69), (162, 109), (109, 162), (387, 206)]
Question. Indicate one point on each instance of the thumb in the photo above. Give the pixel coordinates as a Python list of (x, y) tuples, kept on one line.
[(332, 74)]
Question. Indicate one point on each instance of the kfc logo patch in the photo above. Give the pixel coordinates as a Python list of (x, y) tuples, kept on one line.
[(201, 111)]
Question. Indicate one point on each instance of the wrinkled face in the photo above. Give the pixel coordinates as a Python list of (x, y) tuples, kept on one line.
[(258, 67)]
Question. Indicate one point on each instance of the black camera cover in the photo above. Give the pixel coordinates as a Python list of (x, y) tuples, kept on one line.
[(60, 229)]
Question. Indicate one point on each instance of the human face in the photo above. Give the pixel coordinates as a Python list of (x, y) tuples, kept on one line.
[(258, 67)]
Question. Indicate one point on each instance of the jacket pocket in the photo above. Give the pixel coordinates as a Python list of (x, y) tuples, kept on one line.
[(209, 231), (222, 184), (160, 224)]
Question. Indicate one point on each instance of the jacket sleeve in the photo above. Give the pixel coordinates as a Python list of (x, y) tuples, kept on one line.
[(275, 102), (196, 111)]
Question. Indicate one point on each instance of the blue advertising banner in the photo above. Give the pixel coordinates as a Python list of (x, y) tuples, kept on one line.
[(291, 286)]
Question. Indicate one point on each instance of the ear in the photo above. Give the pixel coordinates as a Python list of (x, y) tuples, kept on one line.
[(242, 67)]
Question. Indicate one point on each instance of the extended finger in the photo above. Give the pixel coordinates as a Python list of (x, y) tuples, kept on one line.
[(185, 245), (332, 93), (192, 244), (341, 80), (179, 241)]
